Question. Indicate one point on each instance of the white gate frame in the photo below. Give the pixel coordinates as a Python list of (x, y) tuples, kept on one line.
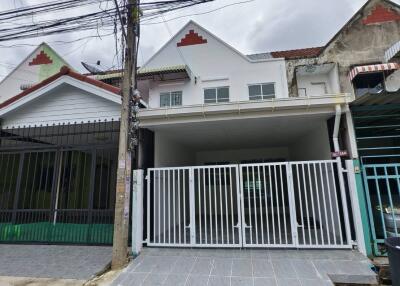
[(242, 226)]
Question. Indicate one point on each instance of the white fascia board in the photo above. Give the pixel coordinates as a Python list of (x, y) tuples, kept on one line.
[(248, 109), (65, 79)]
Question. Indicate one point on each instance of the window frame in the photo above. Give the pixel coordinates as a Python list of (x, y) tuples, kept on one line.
[(170, 95), (216, 95), (261, 96)]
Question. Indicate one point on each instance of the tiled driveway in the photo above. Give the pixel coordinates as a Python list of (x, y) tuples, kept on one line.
[(53, 261), (220, 267)]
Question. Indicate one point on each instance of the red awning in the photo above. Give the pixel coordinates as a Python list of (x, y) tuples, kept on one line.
[(372, 68)]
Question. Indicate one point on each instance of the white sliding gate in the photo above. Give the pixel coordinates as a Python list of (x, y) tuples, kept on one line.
[(294, 204)]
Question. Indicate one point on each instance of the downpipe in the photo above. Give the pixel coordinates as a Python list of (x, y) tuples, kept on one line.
[(336, 147)]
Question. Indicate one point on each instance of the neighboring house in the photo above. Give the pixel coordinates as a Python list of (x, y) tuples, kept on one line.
[(42, 63), (366, 53), (58, 160)]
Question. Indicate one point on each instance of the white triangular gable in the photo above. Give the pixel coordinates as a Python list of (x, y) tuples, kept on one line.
[(197, 48), (42, 63), (65, 100)]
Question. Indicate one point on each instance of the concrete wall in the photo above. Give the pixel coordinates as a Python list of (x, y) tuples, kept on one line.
[(214, 64), (313, 146)]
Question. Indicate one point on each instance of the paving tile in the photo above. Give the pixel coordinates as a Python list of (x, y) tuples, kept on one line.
[(202, 266), (155, 279), (262, 268), (222, 267), (260, 253), (146, 265), (325, 267), (175, 280), (183, 265), (288, 282), (132, 279), (315, 282), (283, 268), (241, 281), (242, 267), (197, 280), (265, 282), (219, 281), (164, 264), (304, 269)]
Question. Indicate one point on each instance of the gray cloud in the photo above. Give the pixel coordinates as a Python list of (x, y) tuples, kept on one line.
[(257, 26)]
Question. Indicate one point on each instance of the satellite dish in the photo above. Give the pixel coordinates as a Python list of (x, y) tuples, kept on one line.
[(92, 68)]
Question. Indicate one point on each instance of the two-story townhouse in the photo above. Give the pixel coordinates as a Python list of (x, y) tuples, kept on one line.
[(238, 160)]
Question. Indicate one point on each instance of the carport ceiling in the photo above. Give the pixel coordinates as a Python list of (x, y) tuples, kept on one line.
[(243, 133)]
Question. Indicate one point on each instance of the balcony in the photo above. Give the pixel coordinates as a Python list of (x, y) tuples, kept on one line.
[(243, 109)]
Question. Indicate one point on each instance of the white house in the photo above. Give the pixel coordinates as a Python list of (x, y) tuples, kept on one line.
[(238, 160)]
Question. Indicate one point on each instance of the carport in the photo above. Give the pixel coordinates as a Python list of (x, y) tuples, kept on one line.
[(265, 181)]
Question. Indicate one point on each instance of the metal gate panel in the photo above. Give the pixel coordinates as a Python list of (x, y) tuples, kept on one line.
[(168, 210), (266, 205), (193, 206), (382, 188), (320, 205), (217, 206)]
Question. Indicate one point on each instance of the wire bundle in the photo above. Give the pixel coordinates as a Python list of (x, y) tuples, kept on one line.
[(25, 22)]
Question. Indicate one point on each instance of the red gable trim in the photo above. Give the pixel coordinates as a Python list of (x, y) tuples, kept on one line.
[(65, 71), (191, 39), (381, 14), (41, 59), (299, 53)]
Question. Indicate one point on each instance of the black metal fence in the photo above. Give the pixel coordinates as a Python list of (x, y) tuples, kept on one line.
[(57, 183)]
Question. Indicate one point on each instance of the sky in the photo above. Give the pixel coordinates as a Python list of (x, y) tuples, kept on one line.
[(251, 26)]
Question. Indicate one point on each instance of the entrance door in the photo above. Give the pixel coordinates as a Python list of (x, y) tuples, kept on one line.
[(293, 204)]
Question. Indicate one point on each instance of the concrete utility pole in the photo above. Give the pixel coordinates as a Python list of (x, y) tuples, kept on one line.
[(124, 172)]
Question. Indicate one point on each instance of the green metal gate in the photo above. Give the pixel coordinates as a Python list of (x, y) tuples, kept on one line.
[(382, 187), (57, 184)]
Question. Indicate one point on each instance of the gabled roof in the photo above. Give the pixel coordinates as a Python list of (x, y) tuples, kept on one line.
[(65, 71)]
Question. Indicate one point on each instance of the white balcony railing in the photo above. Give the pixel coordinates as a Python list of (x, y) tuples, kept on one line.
[(253, 105)]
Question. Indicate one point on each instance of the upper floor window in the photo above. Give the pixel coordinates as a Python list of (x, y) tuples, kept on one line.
[(216, 95), (173, 98), (261, 91)]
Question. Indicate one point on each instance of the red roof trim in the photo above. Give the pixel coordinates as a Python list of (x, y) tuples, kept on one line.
[(299, 53), (64, 71)]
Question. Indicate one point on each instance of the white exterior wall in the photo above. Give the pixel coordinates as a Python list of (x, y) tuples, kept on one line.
[(313, 146), (331, 79), (169, 153), (214, 64), (65, 104), (238, 156)]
